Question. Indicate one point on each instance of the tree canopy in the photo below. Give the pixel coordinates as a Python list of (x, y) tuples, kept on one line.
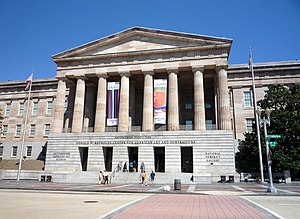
[(284, 103)]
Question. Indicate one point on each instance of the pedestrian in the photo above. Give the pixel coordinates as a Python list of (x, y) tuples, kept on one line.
[(152, 177), (105, 175), (130, 166), (125, 167), (144, 179), (101, 177), (134, 165), (142, 169)]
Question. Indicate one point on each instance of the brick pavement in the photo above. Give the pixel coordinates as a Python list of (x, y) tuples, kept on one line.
[(190, 206)]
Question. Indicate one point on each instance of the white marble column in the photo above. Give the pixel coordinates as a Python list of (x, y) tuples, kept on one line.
[(132, 101), (148, 102), (78, 106), (173, 111), (101, 104), (199, 108), (59, 108), (123, 120), (224, 108)]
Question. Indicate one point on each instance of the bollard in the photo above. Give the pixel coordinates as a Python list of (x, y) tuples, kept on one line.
[(177, 184)]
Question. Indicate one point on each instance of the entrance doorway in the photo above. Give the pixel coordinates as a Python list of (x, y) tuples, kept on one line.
[(186, 159), (159, 159), (84, 151), (108, 154), (133, 154)]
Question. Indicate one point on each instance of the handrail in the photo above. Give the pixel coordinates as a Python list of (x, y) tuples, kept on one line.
[(116, 169)]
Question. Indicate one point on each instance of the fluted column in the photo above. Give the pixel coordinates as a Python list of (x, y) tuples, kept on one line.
[(173, 112), (124, 103), (199, 108), (224, 110), (101, 104), (132, 101), (78, 106), (148, 102), (58, 119)]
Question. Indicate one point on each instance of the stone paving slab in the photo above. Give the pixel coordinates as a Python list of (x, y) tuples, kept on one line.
[(190, 206)]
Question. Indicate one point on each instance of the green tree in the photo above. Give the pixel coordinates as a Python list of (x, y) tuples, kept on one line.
[(284, 102)]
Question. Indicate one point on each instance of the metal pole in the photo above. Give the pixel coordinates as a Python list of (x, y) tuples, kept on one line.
[(271, 188), (256, 121), (24, 133)]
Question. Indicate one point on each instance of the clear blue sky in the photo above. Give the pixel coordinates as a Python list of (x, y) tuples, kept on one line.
[(31, 31)]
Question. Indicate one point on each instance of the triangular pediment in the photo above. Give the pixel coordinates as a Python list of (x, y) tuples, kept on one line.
[(141, 39)]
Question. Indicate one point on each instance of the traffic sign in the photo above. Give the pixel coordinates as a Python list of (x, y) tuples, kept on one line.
[(273, 144), (274, 136)]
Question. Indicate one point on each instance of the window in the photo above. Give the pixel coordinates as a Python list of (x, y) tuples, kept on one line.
[(247, 99), (66, 106), (188, 106), (230, 98), (49, 107), (28, 151), (46, 129), (4, 130), (249, 125), (35, 108), (1, 151), (32, 130), (14, 151), (7, 109), (21, 109), (18, 131)]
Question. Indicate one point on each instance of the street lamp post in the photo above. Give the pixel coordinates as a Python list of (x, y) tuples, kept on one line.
[(266, 121)]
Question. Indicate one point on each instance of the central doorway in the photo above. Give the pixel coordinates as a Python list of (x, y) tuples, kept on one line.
[(108, 154), (133, 154), (159, 159), (83, 151), (186, 159)]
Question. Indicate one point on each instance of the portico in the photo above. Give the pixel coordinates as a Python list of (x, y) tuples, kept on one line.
[(193, 69)]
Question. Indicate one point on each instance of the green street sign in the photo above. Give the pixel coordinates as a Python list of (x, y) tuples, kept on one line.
[(273, 144), (274, 136)]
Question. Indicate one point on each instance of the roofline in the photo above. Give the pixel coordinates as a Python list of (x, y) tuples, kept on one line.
[(143, 29)]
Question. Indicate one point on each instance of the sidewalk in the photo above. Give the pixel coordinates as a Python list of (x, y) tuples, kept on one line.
[(238, 200)]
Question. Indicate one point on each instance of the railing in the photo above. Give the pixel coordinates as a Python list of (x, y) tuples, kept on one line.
[(118, 168)]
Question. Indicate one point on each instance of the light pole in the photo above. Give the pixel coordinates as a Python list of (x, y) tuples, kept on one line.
[(266, 121)]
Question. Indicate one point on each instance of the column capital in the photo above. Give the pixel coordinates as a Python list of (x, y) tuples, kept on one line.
[(219, 67), (62, 78), (148, 72), (196, 68), (102, 75), (172, 70), (82, 77), (124, 73)]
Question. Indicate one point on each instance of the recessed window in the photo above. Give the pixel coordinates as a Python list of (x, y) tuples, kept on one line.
[(4, 130), (18, 131), (35, 108), (28, 151), (14, 151), (32, 130), (7, 109), (49, 107), (247, 99), (208, 106), (46, 129), (249, 125), (1, 151), (21, 109), (66, 106), (188, 106)]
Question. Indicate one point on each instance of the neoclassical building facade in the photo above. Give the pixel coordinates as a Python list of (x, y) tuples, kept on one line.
[(166, 99)]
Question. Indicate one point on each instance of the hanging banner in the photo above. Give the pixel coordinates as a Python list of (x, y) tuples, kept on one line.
[(113, 93), (160, 101)]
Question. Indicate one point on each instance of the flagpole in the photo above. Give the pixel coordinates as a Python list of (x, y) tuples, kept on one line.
[(24, 131), (256, 119)]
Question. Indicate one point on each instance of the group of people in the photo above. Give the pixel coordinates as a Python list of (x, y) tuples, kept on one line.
[(103, 175)]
